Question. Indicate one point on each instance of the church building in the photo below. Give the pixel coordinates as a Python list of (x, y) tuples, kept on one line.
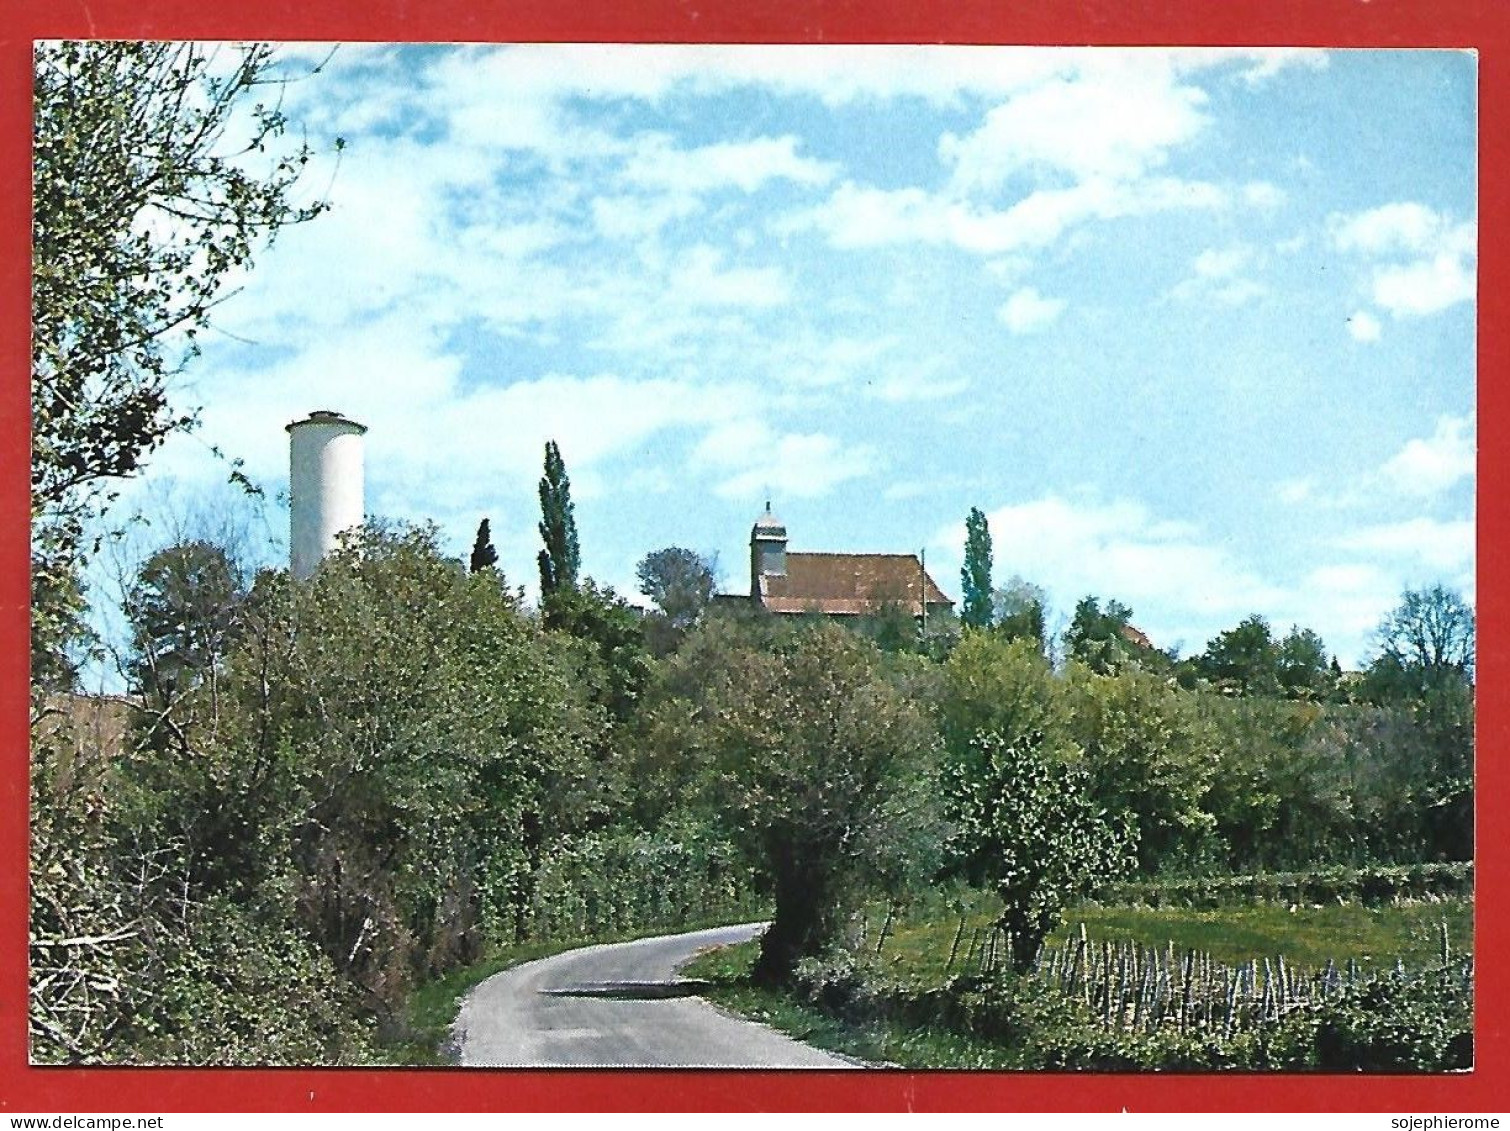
[(835, 585)]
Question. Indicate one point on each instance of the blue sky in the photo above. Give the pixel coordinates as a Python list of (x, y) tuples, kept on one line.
[(1194, 328)]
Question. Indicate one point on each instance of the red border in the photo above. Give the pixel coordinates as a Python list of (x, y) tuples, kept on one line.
[(1480, 24)]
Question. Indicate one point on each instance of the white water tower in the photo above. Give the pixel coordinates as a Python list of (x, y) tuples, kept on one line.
[(325, 486)]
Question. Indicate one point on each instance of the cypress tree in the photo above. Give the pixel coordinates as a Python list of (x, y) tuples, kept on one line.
[(560, 559), (483, 554), (975, 577)]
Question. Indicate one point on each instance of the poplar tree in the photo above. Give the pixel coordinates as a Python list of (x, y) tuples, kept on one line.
[(561, 558), (975, 577)]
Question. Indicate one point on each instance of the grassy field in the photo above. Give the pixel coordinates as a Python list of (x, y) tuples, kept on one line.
[(916, 952), (1306, 936)]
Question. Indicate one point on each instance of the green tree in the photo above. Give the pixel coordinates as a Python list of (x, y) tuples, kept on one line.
[(1430, 638), (409, 743), (612, 664), (1425, 666), (1302, 666), (1020, 610), (1150, 757), (157, 175), (484, 556), (1026, 823), (1244, 659), (183, 611), (679, 581), (1104, 641), (60, 634), (818, 767), (561, 558), (975, 577), (995, 685)]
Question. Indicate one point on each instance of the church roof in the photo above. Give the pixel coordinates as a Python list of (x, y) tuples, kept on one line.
[(849, 584)]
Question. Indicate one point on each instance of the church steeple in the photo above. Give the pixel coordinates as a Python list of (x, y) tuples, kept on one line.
[(767, 549)]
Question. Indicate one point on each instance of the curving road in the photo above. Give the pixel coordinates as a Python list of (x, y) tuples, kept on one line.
[(619, 1006)]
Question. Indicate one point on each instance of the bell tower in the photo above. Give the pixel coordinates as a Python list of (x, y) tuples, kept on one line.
[(767, 549)]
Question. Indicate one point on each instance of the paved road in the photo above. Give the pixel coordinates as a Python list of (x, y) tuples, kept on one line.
[(619, 1006)]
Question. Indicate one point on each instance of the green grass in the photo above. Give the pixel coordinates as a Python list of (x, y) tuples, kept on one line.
[(1308, 936), (916, 952), (881, 1043)]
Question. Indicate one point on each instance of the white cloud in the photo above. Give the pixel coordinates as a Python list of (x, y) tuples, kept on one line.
[(1389, 228), (630, 217), (1027, 311), (1214, 264), (1426, 286), (1262, 194), (701, 279), (1111, 122), (1264, 65), (745, 165), (1363, 327), (922, 385), (1439, 548), (753, 458), (836, 74), (858, 216), (1218, 276), (1422, 261), (1432, 465), (1294, 491), (1184, 587)]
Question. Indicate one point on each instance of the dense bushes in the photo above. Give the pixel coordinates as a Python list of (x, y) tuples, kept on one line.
[(607, 882), (1212, 783), (346, 797)]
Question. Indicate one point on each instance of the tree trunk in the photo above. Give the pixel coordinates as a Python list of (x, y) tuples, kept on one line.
[(805, 923)]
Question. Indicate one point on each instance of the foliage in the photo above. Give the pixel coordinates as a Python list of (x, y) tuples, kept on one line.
[(1426, 666), (1075, 1012), (996, 685), (1244, 659), (817, 767), (975, 576), (184, 609), (60, 635), (601, 883), (1019, 610), (679, 581), (1370, 886), (1430, 635), (1025, 822), (157, 175), (1150, 756), (483, 556), (394, 751), (561, 558), (891, 626), (1105, 641), (87, 920), (1396, 1021), (609, 662), (1302, 667)]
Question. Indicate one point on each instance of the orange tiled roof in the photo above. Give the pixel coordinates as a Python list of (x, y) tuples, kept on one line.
[(849, 584)]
